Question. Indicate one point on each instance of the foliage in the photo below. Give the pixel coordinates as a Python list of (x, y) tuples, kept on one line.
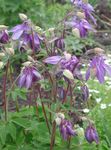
[(57, 110)]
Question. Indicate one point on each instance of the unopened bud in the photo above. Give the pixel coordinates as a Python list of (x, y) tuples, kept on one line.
[(81, 15), (80, 132), (58, 121), (85, 1), (27, 63), (2, 55), (1, 64), (37, 28), (68, 74), (98, 50), (30, 58), (10, 51), (76, 32), (3, 27), (60, 115), (67, 56), (51, 29), (22, 16)]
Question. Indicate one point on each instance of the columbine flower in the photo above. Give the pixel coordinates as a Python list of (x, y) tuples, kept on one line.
[(30, 41), (85, 92), (66, 62), (59, 43), (4, 36), (66, 129), (28, 76), (19, 30), (98, 68), (83, 27), (91, 134), (88, 10)]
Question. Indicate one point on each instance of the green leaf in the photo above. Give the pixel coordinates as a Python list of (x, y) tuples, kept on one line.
[(11, 129), (3, 134), (23, 122)]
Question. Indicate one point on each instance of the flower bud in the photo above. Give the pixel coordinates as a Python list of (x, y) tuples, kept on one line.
[(22, 16), (30, 59), (80, 132), (3, 27), (76, 32), (67, 56), (81, 15), (85, 1), (51, 29), (1, 64), (61, 115), (4, 37), (68, 74), (58, 121), (10, 51), (27, 63), (91, 134), (2, 55), (98, 50)]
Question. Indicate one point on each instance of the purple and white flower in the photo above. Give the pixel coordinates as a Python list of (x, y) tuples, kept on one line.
[(98, 68), (28, 76)]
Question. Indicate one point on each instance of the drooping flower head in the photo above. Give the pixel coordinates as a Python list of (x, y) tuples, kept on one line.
[(4, 36), (85, 92), (59, 43), (98, 68), (86, 8), (91, 134), (66, 62), (26, 37), (28, 76), (29, 41), (66, 129), (83, 26), (19, 30)]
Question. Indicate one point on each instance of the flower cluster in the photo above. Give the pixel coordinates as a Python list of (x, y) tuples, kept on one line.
[(26, 36), (80, 20)]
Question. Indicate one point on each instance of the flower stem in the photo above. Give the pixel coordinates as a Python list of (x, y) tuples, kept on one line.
[(4, 91), (44, 112), (53, 135)]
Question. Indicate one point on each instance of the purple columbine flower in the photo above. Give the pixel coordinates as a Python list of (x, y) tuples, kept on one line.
[(83, 26), (98, 68), (91, 134), (28, 76), (66, 62), (20, 29), (88, 10), (69, 63), (59, 43), (30, 41), (4, 37), (85, 92), (66, 129)]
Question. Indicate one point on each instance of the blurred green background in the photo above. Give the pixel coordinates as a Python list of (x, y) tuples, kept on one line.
[(43, 12)]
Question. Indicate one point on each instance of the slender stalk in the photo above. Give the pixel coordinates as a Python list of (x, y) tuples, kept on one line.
[(33, 44), (53, 136), (66, 93), (44, 112), (4, 90)]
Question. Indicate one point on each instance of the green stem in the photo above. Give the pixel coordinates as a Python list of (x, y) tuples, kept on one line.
[(4, 91)]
